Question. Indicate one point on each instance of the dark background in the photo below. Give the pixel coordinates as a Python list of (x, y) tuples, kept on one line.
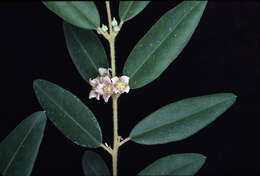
[(220, 57)]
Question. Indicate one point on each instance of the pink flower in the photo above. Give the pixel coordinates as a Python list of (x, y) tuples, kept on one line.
[(93, 93), (121, 84), (106, 88)]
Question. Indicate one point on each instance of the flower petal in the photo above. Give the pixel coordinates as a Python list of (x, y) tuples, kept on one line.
[(99, 89), (92, 94), (125, 79), (106, 97), (114, 79), (98, 97), (93, 82), (127, 88), (107, 80), (102, 71)]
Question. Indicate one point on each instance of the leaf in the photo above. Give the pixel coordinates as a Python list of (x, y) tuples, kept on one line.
[(129, 9), (82, 14), (86, 51), (181, 119), (18, 151), (163, 43), (176, 164), (94, 165), (69, 114)]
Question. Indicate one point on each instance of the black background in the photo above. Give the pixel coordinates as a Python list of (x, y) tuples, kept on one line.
[(220, 57)]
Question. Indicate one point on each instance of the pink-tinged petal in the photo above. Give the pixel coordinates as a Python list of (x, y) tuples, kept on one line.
[(116, 91), (114, 79), (93, 82), (106, 97), (98, 97), (125, 79), (127, 88), (102, 71), (92, 94), (99, 89), (107, 80)]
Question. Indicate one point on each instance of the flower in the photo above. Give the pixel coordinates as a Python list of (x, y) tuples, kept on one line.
[(106, 88), (121, 84), (93, 93)]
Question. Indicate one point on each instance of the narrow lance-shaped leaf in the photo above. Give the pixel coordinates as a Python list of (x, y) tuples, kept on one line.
[(181, 119), (94, 165), (86, 51), (18, 151), (176, 164), (163, 43), (129, 9), (82, 14), (69, 114)]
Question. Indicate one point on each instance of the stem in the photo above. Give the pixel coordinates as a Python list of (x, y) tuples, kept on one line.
[(116, 144), (112, 55), (115, 97), (124, 141), (109, 16)]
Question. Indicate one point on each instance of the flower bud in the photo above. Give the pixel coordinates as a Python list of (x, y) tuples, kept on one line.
[(116, 28), (104, 28), (114, 22)]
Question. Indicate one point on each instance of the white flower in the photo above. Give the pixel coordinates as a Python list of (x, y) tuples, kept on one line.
[(121, 84)]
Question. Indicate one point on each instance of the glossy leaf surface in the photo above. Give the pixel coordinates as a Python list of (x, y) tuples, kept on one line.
[(69, 114), (176, 164), (181, 119), (83, 14), (129, 9), (163, 43), (86, 51), (18, 151), (94, 165)]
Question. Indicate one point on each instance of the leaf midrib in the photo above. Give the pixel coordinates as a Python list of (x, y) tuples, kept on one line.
[(68, 115), (19, 147), (86, 17), (84, 50), (161, 126), (162, 41), (127, 10)]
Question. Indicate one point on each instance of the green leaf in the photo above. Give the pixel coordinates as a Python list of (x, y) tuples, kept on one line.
[(82, 14), (163, 43), (86, 51), (176, 164), (69, 114), (18, 151), (94, 165), (181, 119), (129, 9)]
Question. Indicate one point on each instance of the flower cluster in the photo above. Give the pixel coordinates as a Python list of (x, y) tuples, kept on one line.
[(106, 86), (114, 24)]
